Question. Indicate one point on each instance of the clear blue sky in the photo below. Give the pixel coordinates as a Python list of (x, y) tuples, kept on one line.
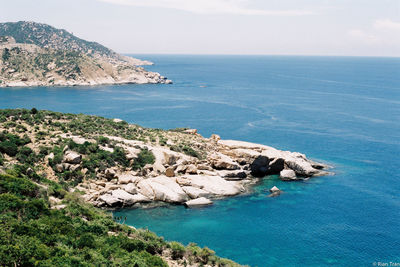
[(300, 27)]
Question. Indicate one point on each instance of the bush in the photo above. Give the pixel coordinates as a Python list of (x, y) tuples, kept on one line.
[(144, 157), (178, 250), (86, 240), (18, 186), (9, 148)]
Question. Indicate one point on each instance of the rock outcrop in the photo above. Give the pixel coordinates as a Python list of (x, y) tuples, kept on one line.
[(202, 201), (153, 165), (229, 167)]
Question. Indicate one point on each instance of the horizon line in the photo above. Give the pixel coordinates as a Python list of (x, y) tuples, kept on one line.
[(282, 55)]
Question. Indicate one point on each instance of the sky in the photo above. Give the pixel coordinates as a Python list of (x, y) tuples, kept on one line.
[(245, 27)]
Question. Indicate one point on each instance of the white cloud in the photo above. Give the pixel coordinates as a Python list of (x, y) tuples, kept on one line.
[(364, 36), (386, 24), (210, 7), (382, 31)]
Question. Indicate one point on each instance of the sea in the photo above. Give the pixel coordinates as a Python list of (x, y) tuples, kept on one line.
[(343, 111)]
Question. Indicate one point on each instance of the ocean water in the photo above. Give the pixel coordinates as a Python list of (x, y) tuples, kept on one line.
[(344, 111)]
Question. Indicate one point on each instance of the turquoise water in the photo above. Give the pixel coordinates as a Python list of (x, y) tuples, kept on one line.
[(343, 111)]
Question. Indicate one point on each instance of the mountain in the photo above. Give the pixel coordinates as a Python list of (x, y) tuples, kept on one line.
[(34, 54)]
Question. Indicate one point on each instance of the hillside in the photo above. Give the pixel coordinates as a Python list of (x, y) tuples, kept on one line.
[(35, 54), (46, 221), (117, 164)]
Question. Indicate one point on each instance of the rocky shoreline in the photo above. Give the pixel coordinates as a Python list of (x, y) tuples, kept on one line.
[(114, 164), (228, 170)]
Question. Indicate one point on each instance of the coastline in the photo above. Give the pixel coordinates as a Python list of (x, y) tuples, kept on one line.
[(115, 164)]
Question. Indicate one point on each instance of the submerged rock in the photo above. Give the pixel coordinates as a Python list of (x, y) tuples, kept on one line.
[(274, 189), (198, 202)]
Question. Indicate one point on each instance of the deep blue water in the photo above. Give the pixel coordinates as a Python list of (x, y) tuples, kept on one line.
[(341, 110)]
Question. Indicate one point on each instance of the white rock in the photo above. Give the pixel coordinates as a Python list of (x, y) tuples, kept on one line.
[(198, 202), (51, 156), (126, 178), (287, 175), (223, 162), (72, 157), (191, 169), (130, 188), (300, 166), (215, 137), (274, 189), (162, 188), (194, 192), (110, 173), (125, 197), (190, 131), (213, 184), (110, 200)]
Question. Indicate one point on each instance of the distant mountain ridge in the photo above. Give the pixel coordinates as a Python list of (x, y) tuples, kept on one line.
[(46, 36), (37, 54)]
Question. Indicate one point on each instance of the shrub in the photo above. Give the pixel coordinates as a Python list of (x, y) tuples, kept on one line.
[(9, 148), (86, 240), (144, 157), (178, 250), (17, 185)]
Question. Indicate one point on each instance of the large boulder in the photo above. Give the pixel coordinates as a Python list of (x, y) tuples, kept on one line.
[(170, 158), (274, 189), (169, 172), (110, 200), (276, 166), (125, 178), (191, 169), (126, 198), (130, 188), (287, 175), (301, 167), (259, 167), (223, 162), (194, 192), (110, 173), (263, 166), (162, 188), (215, 185), (198, 202), (72, 157), (233, 175)]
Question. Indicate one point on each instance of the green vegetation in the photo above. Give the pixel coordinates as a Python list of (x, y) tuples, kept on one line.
[(10, 144), (34, 234), (6, 54), (186, 149), (144, 157), (42, 224)]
